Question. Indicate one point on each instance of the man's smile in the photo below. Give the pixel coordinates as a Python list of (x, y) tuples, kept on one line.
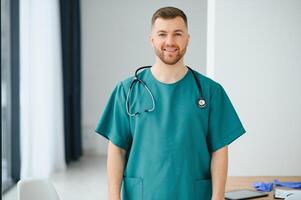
[(170, 49)]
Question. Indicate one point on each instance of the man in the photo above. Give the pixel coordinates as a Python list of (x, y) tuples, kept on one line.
[(174, 148)]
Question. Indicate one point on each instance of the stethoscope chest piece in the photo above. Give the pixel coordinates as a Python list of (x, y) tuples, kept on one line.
[(201, 103)]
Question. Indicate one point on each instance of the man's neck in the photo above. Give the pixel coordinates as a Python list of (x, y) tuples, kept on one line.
[(169, 73)]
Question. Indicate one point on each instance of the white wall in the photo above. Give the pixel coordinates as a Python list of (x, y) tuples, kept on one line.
[(258, 60), (115, 43)]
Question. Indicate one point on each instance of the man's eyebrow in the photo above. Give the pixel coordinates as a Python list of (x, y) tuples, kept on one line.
[(178, 30)]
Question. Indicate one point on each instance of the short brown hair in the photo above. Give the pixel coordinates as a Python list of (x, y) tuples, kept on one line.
[(169, 13)]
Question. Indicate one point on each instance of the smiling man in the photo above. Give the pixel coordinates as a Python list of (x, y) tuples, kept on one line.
[(169, 126)]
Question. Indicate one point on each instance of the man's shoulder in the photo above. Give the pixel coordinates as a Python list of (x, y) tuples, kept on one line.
[(207, 81), (126, 82), (210, 86)]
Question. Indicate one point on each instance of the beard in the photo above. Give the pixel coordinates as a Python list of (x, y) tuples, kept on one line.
[(168, 59)]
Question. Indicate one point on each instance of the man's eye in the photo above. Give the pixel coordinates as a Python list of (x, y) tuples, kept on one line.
[(161, 35), (178, 34)]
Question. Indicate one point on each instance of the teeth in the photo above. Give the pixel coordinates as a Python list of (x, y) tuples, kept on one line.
[(170, 49)]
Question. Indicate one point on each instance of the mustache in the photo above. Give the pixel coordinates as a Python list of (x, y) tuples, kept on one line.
[(170, 46)]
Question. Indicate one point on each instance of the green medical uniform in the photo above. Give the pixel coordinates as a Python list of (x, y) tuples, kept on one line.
[(169, 150)]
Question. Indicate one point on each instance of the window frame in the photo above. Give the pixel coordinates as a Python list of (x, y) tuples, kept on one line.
[(14, 95)]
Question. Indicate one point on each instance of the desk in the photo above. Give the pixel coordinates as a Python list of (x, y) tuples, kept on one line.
[(245, 182)]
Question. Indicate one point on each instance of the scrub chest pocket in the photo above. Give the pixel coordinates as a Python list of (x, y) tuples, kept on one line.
[(169, 149)]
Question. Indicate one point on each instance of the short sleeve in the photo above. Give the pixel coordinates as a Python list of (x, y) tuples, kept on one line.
[(114, 121), (224, 123)]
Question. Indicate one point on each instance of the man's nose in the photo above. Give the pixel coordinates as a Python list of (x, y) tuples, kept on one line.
[(170, 40)]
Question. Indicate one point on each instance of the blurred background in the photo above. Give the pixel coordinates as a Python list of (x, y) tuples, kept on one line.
[(60, 60)]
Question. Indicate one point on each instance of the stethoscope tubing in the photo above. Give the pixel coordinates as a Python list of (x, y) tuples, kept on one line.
[(201, 101)]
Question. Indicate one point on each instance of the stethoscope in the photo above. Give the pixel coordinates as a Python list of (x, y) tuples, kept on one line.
[(200, 102)]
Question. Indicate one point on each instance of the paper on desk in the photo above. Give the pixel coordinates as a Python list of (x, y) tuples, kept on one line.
[(285, 192)]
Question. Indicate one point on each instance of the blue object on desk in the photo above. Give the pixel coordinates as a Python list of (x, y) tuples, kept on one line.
[(268, 187), (294, 185), (262, 186)]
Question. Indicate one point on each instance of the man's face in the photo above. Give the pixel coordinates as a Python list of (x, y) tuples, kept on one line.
[(170, 39)]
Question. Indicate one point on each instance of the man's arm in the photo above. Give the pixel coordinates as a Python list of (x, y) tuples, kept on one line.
[(219, 169), (115, 167)]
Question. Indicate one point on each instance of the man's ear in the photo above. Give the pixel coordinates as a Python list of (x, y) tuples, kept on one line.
[(150, 39)]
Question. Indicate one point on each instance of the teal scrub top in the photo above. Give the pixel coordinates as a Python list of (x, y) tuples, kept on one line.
[(169, 150)]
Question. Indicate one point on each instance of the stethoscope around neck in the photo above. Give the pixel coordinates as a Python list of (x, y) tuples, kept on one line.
[(200, 102)]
